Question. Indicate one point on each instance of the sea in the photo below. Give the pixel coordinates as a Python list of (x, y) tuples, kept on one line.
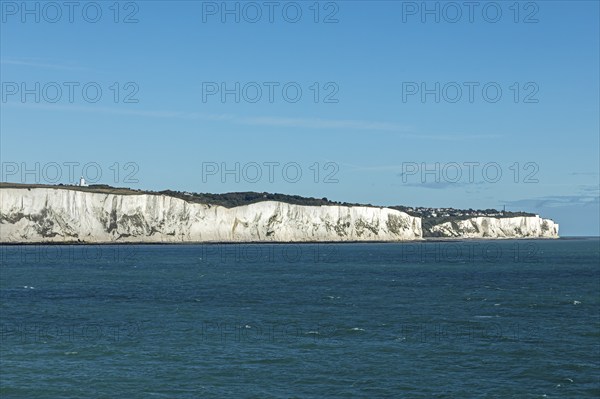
[(447, 319)]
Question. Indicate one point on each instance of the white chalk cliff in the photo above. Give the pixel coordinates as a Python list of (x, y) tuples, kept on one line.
[(41, 215), (488, 227), (45, 215)]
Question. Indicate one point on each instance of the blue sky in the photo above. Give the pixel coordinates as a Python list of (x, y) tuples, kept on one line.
[(366, 131)]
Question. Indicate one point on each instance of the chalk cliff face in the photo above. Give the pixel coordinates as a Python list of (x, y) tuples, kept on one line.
[(488, 227), (42, 215), (38, 215)]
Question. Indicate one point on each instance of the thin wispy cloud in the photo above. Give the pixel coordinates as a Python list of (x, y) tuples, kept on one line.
[(124, 111), (267, 121), (555, 201), (586, 196), (360, 125), (318, 123), (40, 64)]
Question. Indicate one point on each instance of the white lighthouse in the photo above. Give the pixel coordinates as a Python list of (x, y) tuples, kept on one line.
[(82, 182)]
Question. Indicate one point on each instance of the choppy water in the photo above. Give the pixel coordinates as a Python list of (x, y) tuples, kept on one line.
[(455, 320)]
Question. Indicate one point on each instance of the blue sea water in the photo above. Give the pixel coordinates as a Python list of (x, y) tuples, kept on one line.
[(471, 319)]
